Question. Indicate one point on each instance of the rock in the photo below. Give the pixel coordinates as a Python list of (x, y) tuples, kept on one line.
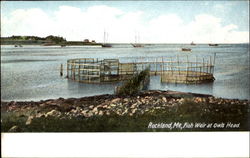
[(107, 113), (133, 105), (112, 105), (84, 112), (181, 100), (95, 109), (51, 113), (42, 104), (49, 102), (126, 99), (14, 129), (78, 108), (29, 120), (134, 110), (39, 115), (73, 111), (90, 114), (22, 115), (164, 99), (143, 101), (91, 106), (105, 106), (197, 100), (100, 113), (115, 100)]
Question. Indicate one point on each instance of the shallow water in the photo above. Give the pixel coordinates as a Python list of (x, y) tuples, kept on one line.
[(32, 72)]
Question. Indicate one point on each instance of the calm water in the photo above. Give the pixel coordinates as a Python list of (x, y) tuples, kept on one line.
[(32, 72)]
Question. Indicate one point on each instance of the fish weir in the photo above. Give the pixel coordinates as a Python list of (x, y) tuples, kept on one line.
[(171, 70)]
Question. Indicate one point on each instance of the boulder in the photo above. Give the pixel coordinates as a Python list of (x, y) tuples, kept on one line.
[(29, 120), (51, 113), (14, 129), (164, 99), (115, 100), (112, 105), (100, 113)]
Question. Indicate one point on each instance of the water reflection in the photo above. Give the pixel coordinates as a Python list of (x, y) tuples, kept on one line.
[(203, 88)]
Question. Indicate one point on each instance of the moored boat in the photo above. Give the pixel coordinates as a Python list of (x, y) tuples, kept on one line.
[(213, 44), (137, 45), (192, 43), (106, 45), (105, 39), (186, 49)]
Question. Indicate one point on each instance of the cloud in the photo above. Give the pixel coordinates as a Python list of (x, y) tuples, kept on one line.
[(31, 21), (77, 24)]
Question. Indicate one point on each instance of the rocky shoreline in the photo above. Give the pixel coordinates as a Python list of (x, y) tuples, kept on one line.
[(109, 105)]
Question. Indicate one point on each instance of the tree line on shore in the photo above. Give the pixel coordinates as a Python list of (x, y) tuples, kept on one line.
[(43, 40)]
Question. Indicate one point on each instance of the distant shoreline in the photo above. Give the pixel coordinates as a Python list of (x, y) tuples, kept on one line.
[(41, 43), (79, 43)]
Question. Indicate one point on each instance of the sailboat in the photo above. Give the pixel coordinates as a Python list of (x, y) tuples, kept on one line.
[(192, 43), (136, 44), (105, 38)]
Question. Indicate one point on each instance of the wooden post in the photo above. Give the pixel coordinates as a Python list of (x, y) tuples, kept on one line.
[(73, 70), (67, 69), (171, 65), (213, 63), (214, 58), (203, 69), (210, 64), (79, 67), (207, 66), (187, 66), (162, 66), (178, 64), (196, 64), (155, 66), (61, 70), (200, 74)]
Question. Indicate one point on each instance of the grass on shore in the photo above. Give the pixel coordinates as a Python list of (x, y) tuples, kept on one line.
[(134, 85)]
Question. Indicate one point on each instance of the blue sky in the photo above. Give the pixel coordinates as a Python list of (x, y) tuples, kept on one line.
[(229, 17)]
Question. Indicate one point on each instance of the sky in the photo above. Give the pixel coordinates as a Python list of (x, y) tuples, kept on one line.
[(151, 21)]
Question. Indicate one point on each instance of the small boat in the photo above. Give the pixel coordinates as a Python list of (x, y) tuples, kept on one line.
[(192, 43), (186, 49), (137, 45), (18, 45), (106, 45), (213, 44), (48, 44)]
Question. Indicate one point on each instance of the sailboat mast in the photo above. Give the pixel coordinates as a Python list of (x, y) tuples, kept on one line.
[(138, 38), (104, 37), (107, 37)]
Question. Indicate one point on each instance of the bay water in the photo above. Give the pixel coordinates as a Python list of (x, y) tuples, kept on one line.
[(33, 72)]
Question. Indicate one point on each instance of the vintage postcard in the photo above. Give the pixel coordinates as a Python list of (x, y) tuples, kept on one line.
[(124, 66)]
